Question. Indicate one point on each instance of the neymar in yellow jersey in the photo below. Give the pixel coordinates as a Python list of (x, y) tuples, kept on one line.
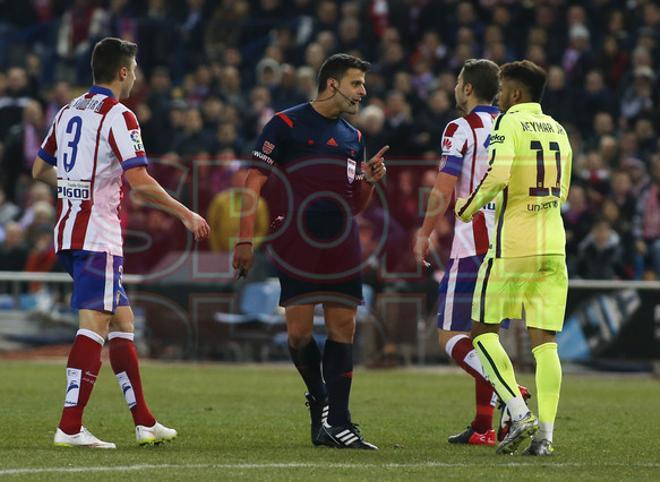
[(524, 274)]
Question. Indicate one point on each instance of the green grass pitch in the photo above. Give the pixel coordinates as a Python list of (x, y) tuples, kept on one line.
[(250, 423)]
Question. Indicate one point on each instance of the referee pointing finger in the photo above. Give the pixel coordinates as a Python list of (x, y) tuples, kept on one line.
[(317, 251)]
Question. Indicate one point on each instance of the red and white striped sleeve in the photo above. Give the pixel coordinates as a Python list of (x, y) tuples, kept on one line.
[(454, 146), (126, 141), (48, 150)]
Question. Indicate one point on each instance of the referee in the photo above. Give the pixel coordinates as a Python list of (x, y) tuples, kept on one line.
[(321, 160)]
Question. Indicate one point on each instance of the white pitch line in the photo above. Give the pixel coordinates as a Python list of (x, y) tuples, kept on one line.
[(295, 465)]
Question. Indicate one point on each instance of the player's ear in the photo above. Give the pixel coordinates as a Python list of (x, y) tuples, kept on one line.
[(517, 94)]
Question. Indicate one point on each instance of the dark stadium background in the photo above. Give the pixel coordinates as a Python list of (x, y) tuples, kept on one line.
[(212, 73)]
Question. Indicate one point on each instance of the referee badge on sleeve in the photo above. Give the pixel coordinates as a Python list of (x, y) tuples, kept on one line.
[(350, 170)]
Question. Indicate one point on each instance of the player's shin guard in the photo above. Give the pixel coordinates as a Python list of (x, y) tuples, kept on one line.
[(338, 374), (82, 369), (460, 348), (548, 385), (499, 370), (307, 360), (124, 361)]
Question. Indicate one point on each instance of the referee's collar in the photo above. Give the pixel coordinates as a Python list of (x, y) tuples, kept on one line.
[(533, 107), (97, 89)]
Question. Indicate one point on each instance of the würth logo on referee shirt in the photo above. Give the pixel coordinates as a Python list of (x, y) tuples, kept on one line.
[(268, 147), (332, 142)]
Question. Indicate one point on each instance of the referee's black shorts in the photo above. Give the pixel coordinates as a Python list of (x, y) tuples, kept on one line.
[(300, 292), (319, 261)]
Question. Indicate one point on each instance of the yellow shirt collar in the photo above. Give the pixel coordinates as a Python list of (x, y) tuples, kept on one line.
[(533, 107)]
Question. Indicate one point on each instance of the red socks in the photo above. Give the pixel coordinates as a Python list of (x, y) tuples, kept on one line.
[(124, 361), (461, 350), (82, 368)]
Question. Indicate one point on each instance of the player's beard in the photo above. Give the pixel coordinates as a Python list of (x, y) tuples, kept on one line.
[(461, 104), (504, 103), (126, 91)]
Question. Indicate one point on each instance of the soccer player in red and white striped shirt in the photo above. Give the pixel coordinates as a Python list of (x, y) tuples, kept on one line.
[(93, 141), (464, 161)]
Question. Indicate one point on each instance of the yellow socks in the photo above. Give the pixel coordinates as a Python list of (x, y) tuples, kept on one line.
[(499, 370), (548, 384)]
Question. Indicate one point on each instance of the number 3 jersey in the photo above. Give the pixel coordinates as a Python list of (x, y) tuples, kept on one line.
[(530, 171), (91, 142)]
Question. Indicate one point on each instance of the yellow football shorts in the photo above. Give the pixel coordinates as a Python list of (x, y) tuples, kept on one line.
[(533, 288)]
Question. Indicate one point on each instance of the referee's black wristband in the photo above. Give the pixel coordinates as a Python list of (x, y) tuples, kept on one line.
[(243, 242)]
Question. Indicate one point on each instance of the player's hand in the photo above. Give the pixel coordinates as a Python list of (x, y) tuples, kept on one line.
[(243, 256), (197, 225), (421, 248), (376, 166)]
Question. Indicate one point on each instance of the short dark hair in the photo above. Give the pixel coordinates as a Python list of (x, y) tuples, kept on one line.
[(530, 75), (336, 66), (109, 55), (483, 75)]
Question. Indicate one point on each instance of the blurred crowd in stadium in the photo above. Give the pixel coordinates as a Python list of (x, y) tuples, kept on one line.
[(213, 72)]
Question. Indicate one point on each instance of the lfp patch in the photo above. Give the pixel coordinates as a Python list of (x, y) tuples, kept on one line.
[(137, 140)]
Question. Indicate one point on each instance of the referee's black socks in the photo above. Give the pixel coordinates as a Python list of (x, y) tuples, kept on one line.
[(338, 373), (307, 360)]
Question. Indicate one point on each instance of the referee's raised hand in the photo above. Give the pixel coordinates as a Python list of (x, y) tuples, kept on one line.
[(376, 166)]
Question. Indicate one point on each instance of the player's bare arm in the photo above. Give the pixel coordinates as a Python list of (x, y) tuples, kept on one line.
[(42, 171), (374, 171), (249, 199), (148, 188), (436, 206)]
